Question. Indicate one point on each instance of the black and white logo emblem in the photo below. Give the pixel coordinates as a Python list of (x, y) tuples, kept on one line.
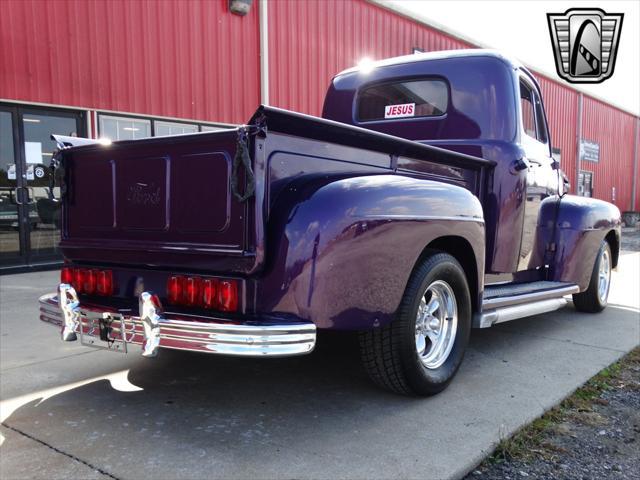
[(585, 43)]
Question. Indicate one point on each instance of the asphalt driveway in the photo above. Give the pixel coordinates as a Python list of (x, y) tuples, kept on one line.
[(73, 412)]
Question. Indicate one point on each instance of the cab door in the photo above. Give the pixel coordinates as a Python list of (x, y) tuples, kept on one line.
[(541, 177)]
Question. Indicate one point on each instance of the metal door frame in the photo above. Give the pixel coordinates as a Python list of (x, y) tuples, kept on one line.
[(18, 191)]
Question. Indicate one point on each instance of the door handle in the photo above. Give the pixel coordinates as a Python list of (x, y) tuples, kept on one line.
[(16, 196), (29, 196)]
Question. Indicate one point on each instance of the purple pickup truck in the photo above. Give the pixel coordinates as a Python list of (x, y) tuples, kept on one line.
[(423, 203)]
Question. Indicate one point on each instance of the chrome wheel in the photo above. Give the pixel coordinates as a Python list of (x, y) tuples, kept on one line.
[(604, 276), (436, 324)]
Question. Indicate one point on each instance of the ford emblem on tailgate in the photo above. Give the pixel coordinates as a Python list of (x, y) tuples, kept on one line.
[(143, 194)]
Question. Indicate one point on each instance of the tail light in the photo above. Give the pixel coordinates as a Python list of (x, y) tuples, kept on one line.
[(210, 293), (175, 289), (89, 281), (66, 275), (228, 296), (78, 280), (193, 291), (105, 282)]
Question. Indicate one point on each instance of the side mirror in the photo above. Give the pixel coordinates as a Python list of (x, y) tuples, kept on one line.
[(518, 165), (566, 185)]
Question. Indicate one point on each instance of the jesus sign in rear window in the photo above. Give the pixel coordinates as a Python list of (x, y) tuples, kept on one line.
[(416, 98)]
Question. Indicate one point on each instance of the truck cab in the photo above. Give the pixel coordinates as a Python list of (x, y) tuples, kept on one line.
[(423, 203)]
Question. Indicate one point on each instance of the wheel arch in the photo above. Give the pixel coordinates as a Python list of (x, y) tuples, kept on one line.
[(462, 250), (613, 239)]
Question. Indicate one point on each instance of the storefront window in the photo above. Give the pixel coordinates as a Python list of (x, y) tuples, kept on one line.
[(123, 128), (130, 128), (173, 128)]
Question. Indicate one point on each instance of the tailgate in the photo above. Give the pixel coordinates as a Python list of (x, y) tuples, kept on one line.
[(158, 201)]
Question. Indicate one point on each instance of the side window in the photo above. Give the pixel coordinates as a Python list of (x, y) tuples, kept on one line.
[(417, 98), (532, 113), (526, 106), (541, 127)]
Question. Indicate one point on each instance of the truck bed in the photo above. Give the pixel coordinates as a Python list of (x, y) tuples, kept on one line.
[(167, 200)]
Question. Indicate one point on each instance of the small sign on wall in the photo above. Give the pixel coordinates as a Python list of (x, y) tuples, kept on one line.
[(589, 151), (33, 152)]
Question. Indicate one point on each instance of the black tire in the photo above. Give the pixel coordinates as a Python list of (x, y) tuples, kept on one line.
[(590, 300), (390, 355)]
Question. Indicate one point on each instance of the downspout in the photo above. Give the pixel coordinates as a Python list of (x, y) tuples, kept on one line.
[(635, 168), (264, 52), (578, 140)]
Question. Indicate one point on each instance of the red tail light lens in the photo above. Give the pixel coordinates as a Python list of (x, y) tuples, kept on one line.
[(78, 280), (193, 291), (104, 282), (228, 296), (90, 278), (66, 275), (89, 281), (175, 289), (210, 293)]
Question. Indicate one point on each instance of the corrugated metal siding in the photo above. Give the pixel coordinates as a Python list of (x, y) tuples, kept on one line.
[(196, 60), (310, 41), (636, 203), (614, 130), (561, 105), (180, 59)]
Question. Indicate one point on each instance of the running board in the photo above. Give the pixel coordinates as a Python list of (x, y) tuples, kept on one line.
[(504, 314), (507, 302)]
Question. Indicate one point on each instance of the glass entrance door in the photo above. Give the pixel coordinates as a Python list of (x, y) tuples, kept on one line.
[(33, 237), (12, 239)]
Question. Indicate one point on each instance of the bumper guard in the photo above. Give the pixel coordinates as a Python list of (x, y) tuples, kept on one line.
[(153, 329)]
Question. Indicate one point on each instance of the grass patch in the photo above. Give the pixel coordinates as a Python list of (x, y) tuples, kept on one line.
[(532, 440)]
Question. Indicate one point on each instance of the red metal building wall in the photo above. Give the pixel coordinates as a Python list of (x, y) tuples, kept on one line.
[(614, 130), (312, 40), (636, 201), (198, 61), (180, 59)]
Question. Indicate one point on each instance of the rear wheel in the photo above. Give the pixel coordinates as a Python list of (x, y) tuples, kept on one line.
[(421, 350), (594, 299)]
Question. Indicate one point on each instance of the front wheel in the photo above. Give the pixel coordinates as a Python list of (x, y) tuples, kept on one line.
[(594, 299), (422, 349)]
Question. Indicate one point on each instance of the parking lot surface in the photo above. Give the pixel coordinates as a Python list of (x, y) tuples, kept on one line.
[(74, 412)]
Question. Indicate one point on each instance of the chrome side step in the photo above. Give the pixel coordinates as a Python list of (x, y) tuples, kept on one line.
[(504, 314), (508, 302), (516, 294)]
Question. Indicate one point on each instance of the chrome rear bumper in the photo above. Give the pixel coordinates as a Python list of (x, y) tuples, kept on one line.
[(153, 329)]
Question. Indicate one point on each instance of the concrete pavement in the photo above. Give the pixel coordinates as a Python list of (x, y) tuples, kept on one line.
[(72, 412)]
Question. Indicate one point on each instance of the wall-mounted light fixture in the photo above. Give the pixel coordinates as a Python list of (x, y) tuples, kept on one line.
[(240, 7)]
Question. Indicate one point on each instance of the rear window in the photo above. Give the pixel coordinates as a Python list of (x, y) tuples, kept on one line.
[(416, 98)]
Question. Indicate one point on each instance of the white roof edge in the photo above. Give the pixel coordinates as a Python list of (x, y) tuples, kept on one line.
[(459, 36)]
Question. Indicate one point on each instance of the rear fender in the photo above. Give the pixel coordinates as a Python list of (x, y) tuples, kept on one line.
[(341, 250)]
